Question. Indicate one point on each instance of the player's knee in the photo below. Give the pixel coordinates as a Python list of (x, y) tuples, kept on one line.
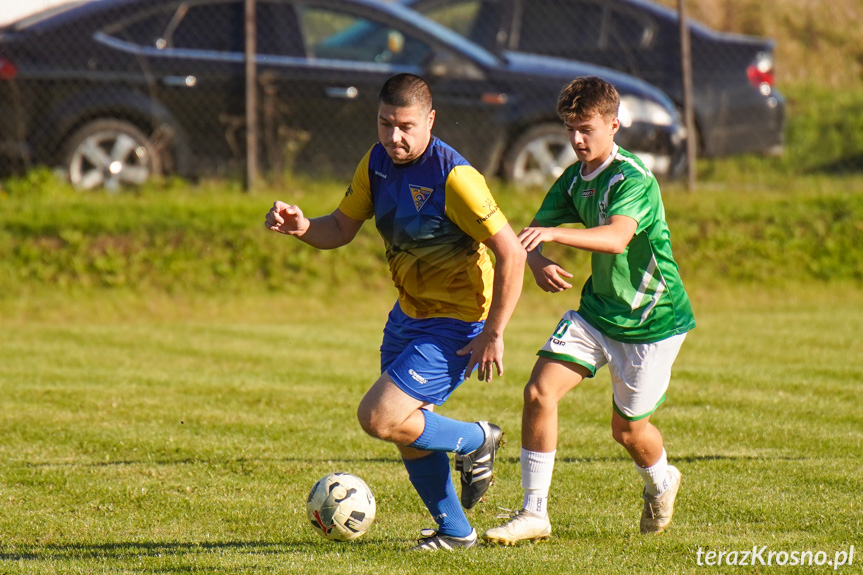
[(371, 422), (366, 418), (621, 436), (626, 437), (535, 396), (531, 394)]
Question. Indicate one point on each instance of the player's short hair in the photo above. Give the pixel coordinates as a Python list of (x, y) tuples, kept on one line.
[(405, 90), (587, 96)]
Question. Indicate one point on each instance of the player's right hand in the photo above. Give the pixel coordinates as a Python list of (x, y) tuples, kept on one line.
[(286, 219), (549, 276)]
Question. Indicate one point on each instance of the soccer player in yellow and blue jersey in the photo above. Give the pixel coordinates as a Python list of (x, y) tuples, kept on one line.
[(437, 218)]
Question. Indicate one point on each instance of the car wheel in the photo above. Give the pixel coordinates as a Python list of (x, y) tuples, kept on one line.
[(539, 156), (110, 154)]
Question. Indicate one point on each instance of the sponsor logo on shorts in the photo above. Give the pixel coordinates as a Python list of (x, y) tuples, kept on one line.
[(417, 377)]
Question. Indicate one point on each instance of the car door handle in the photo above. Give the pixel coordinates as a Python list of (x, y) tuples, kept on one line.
[(187, 81), (347, 93)]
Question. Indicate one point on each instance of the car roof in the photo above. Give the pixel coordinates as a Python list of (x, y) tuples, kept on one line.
[(83, 9), (659, 11)]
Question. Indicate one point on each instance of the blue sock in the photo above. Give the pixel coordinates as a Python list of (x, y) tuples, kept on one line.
[(445, 434), (430, 477)]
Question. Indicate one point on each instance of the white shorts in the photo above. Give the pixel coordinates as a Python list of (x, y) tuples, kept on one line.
[(640, 372)]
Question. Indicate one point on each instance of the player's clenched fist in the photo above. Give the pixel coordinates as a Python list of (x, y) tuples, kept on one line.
[(287, 219)]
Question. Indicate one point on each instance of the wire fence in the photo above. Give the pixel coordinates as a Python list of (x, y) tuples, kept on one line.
[(117, 91)]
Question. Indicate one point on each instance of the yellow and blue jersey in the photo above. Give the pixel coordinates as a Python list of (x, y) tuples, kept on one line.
[(433, 215)]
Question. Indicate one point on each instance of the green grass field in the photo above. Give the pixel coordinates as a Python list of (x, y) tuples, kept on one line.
[(174, 379), (181, 434)]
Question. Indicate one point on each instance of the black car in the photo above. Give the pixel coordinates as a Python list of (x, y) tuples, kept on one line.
[(117, 90), (737, 107)]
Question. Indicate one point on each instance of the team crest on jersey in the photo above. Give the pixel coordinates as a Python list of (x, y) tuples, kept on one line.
[(588, 193), (421, 195)]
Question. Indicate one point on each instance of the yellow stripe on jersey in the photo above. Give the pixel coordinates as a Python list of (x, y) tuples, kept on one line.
[(357, 202), (470, 205)]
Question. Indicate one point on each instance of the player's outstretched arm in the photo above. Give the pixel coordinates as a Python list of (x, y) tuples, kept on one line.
[(611, 238), (326, 232), (486, 350)]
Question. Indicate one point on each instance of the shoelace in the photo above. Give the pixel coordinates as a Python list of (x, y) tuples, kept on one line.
[(511, 514)]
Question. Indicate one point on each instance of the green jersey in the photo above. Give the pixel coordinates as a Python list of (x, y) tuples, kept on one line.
[(636, 296)]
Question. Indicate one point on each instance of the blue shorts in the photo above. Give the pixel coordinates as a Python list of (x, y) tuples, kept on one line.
[(420, 354)]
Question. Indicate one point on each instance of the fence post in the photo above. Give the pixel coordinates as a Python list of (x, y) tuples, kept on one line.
[(688, 111), (251, 174)]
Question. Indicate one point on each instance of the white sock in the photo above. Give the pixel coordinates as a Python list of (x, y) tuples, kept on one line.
[(656, 476), (536, 470)]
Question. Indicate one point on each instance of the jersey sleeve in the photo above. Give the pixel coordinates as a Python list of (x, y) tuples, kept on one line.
[(470, 205), (557, 207), (357, 201), (630, 199)]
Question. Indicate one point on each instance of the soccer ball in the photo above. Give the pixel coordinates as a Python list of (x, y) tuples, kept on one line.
[(341, 507)]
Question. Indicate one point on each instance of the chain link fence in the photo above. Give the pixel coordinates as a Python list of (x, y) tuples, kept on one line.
[(114, 95)]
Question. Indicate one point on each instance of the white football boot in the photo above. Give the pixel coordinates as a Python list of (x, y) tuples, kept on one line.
[(658, 510), (523, 526)]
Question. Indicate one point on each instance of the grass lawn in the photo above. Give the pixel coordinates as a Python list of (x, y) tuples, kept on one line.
[(172, 434)]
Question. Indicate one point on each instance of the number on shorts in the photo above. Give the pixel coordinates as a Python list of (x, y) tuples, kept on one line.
[(561, 329)]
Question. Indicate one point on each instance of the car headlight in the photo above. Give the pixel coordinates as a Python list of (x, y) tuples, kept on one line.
[(633, 109)]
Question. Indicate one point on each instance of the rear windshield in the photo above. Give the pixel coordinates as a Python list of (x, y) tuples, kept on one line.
[(33, 19)]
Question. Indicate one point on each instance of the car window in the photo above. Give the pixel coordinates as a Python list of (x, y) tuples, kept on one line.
[(278, 30), (547, 29), (147, 31), (482, 21), (340, 36), (215, 27), (628, 31), (459, 16)]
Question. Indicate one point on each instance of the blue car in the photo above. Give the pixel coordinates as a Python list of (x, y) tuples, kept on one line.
[(117, 91)]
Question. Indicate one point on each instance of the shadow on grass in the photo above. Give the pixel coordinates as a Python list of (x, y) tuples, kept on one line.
[(233, 461), (135, 550), (684, 458), (622, 456)]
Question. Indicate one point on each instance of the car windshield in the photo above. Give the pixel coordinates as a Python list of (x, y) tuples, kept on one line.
[(346, 37)]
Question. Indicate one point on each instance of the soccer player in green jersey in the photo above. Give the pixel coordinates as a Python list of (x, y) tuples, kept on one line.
[(633, 316)]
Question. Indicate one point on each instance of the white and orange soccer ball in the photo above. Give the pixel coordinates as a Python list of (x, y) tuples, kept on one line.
[(341, 507)]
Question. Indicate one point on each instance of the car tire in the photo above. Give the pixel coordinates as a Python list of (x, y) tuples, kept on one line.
[(539, 156), (110, 153)]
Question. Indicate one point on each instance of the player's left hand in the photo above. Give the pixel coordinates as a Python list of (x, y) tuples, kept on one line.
[(532, 238), (486, 354)]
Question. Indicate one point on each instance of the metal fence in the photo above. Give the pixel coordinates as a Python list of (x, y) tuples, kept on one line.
[(117, 94)]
